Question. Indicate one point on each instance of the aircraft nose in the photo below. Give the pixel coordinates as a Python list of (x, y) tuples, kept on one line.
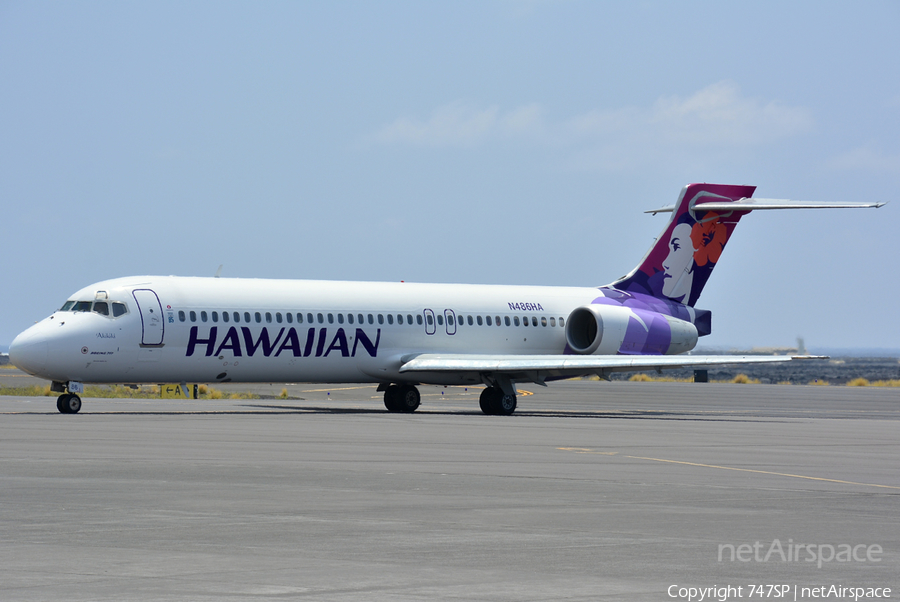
[(29, 352)]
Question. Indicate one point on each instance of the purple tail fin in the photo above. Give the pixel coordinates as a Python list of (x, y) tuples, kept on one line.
[(681, 260)]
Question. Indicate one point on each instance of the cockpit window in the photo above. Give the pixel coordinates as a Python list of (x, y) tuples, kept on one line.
[(98, 307)]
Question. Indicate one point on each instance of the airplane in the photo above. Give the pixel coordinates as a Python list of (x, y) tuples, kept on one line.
[(153, 329)]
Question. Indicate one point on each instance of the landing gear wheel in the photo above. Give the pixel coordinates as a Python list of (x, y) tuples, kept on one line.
[(401, 398), (486, 401), (494, 402), (409, 398), (392, 399), (506, 405), (68, 403)]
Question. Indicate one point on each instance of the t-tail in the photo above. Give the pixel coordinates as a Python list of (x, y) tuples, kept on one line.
[(680, 262)]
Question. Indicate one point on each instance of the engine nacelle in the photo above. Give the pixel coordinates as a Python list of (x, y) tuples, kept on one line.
[(611, 329)]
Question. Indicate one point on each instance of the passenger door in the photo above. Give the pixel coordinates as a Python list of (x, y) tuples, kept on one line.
[(151, 317)]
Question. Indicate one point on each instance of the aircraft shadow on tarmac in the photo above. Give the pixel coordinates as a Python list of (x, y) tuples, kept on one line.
[(630, 415)]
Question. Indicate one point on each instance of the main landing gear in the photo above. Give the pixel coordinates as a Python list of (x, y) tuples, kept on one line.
[(401, 398), (494, 402), (68, 403)]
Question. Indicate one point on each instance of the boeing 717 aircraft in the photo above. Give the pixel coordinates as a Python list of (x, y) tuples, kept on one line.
[(153, 329)]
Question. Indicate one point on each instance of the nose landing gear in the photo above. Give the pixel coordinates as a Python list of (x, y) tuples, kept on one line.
[(68, 403)]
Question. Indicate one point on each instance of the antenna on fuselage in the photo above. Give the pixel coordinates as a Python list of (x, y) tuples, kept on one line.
[(219, 271)]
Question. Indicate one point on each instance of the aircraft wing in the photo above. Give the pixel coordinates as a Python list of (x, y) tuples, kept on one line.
[(537, 368)]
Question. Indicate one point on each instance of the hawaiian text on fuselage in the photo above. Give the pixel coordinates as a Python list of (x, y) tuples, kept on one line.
[(317, 342)]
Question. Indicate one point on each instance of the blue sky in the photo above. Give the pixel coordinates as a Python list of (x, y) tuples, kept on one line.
[(514, 142)]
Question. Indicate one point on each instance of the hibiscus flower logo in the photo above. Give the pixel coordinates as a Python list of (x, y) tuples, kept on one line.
[(709, 238)]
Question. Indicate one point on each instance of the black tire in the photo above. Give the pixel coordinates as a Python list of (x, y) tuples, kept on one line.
[(73, 404), (408, 399), (392, 400), (494, 402), (62, 403), (506, 404), (487, 401)]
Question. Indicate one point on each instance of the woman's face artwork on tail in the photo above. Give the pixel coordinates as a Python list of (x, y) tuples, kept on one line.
[(678, 265)]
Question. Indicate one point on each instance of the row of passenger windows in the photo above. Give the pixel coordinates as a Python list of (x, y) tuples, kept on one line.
[(340, 318), (98, 307)]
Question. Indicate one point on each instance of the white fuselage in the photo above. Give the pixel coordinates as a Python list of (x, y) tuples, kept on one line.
[(247, 330)]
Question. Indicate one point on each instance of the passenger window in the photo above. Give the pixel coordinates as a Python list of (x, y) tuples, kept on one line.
[(450, 319), (506, 320), (340, 318), (409, 319), (224, 316), (562, 322), (380, 319), (215, 316), (331, 318), (478, 320), (82, 306), (258, 317), (203, 316), (469, 320), (430, 319), (534, 321), (525, 321), (247, 317), (371, 319), (497, 320), (516, 320), (101, 307), (552, 321), (299, 318), (399, 318), (278, 317), (390, 319), (321, 318), (236, 316), (440, 319), (268, 317), (349, 318), (289, 316), (543, 321), (193, 316), (419, 320), (67, 306), (360, 317), (309, 318), (181, 316)]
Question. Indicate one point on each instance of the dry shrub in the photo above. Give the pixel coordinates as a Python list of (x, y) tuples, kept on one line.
[(743, 379)]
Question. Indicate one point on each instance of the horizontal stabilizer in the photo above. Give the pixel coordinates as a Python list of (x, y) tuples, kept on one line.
[(751, 204)]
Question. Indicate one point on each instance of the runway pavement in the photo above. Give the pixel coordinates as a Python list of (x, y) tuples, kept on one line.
[(591, 491)]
